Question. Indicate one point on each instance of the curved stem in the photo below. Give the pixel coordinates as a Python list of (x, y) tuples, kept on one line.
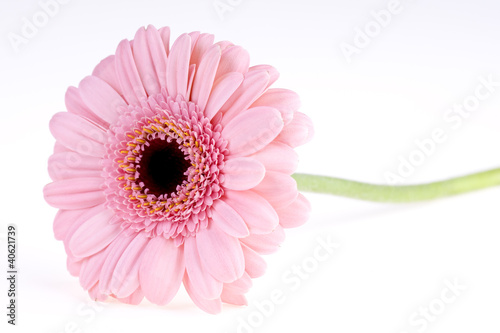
[(404, 193)]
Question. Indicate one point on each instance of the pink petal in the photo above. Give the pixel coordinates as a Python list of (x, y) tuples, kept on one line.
[(106, 71), (76, 106), (220, 253), (125, 278), (273, 72), (67, 165), (252, 130), (64, 220), (74, 266), (128, 75), (178, 66), (96, 295), (91, 268), (224, 45), (77, 222), (74, 193), (116, 250), (278, 188), (161, 270), (233, 59), (265, 244), (279, 157), (194, 38), (165, 37), (59, 148), (242, 285), (223, 88), (212, 306), (144, 62), (257, 213), (228, 219), (255, 265), (284, 100), (243, 173), (134, 299), (158, 54), (203, 43), (298, 132), (203, 284), (250, 89), (295, 214), (78, 134), (94, 234), (204, 78), (231, 297), (192, 72)]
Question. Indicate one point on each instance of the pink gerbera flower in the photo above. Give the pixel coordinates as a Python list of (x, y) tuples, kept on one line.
[(173, 164)]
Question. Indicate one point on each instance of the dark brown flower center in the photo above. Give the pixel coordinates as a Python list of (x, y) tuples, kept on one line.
[(162, 167)]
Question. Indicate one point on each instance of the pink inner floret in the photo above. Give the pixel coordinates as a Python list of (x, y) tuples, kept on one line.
[(174, 215)]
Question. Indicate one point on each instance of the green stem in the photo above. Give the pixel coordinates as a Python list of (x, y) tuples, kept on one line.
[(404, 193)]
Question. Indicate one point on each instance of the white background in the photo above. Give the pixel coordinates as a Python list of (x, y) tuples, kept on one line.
[(392, 259)]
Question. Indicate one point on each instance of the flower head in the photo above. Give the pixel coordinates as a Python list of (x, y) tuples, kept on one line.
[(173, 165)]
